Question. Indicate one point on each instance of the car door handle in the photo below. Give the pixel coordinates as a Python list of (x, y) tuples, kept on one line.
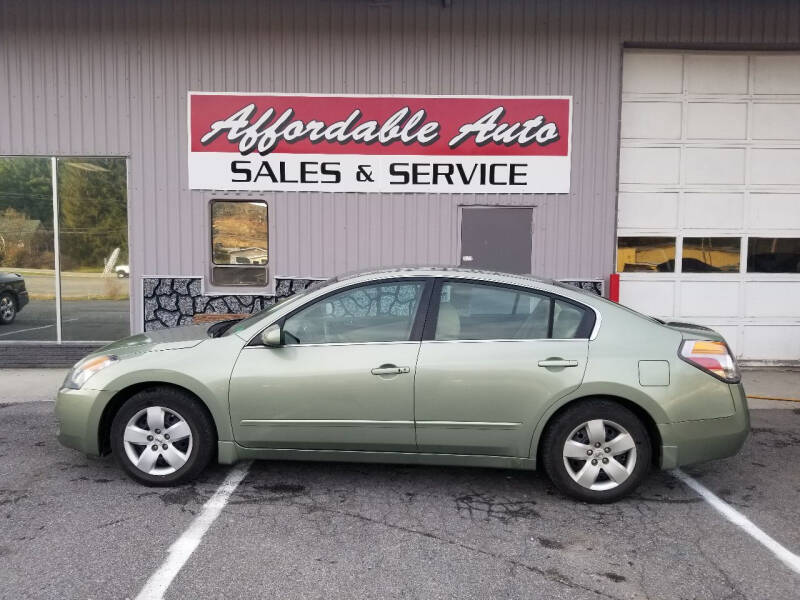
[(390, 370), (558, 362)]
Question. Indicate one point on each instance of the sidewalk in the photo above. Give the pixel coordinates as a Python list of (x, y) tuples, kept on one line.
[(772, 384), (31, 385)]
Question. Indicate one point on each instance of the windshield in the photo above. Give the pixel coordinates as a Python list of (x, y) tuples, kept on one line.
[(245, 323)]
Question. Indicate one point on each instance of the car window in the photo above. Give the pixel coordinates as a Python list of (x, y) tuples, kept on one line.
[(567, 319), (381, 312), (469, 311)]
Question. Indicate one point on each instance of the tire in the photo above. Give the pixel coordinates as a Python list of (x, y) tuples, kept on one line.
[(8, 308), (177, 458), (570, 444)]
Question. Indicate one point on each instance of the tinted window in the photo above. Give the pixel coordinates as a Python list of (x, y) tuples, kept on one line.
[(773, 255), (636, 254), (567, 319), (93, 238), (711, 255), (372, 313), (27, 242), (92, 218), (470, 311)]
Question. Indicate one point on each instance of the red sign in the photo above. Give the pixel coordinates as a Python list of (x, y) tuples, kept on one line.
[(379, 143)]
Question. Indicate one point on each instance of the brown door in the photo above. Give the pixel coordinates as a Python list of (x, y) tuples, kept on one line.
[(497, 238)]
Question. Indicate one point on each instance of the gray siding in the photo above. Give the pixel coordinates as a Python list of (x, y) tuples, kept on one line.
[(110, 78)]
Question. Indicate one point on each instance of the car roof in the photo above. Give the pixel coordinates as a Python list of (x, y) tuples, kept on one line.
[(440, 271)]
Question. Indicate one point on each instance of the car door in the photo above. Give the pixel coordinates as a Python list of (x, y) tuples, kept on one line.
[(343, 378), (493, 357)]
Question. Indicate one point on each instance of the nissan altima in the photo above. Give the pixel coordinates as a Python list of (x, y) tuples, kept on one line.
[(426, 366)]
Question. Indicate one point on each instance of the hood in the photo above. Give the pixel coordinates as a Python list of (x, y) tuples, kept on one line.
[(173, 338), (9, 277)]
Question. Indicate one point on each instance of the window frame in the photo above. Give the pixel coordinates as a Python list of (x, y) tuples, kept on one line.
[(222, 288), (417, 327), (585, 329)]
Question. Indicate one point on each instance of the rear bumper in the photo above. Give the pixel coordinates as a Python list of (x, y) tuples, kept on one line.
[(690, 442)]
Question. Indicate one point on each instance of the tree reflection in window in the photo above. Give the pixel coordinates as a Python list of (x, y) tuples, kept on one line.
[(382, 312), (399, 300)]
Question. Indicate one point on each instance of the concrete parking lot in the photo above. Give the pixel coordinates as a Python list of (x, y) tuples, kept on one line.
[(75, 527)]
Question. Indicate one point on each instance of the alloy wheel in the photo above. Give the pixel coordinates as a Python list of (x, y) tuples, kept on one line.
[(7, 308), (599, 454), (157, 440)]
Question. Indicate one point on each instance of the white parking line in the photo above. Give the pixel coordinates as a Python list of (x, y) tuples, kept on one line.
[(180, 551), (790, 559)]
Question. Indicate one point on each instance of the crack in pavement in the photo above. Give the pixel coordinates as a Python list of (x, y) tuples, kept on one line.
[(549, 574)]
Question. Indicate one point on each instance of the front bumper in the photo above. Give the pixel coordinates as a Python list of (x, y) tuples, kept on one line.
[(78, 413), (689, 442), (22, 299)]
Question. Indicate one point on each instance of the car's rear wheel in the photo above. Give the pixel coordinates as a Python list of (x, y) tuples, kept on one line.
[(162, 437), (8, 308), (596, 451)]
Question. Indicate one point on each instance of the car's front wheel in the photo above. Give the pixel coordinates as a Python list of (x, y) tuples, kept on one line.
[(596, 451), (161, 436), (8, 308)]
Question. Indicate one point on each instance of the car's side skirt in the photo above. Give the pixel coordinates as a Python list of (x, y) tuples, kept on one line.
[(230, 452)]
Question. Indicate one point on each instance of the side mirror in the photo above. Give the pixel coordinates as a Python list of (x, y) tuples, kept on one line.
[(271, 336)]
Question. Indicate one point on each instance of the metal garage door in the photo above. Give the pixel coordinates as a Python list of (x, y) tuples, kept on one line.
[(709, 194)]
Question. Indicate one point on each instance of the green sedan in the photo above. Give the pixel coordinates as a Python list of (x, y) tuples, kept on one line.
[(423, 366)]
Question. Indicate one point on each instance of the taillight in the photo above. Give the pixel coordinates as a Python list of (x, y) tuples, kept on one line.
[(712, 357)]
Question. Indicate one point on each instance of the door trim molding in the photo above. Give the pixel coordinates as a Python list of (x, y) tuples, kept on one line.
[(469, 424), (323, 422)]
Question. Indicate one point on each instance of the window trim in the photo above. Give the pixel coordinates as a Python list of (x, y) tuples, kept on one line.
[(587, 328), (416, 328), (219, 288)]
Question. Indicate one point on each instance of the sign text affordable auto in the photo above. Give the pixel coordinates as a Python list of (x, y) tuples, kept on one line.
[(446, 144)]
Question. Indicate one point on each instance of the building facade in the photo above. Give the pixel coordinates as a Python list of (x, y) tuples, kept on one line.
[(684, 156)]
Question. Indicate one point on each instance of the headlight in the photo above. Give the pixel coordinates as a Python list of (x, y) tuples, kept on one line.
[(81, 372)]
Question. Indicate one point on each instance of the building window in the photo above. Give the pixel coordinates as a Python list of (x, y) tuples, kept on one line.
[(711, 255), (68, 250), (93, 234), (773, 255), (239, 243), (637, 254)]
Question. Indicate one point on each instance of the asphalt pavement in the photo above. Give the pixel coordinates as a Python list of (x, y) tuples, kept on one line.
[(82, 320), (76, 527)]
